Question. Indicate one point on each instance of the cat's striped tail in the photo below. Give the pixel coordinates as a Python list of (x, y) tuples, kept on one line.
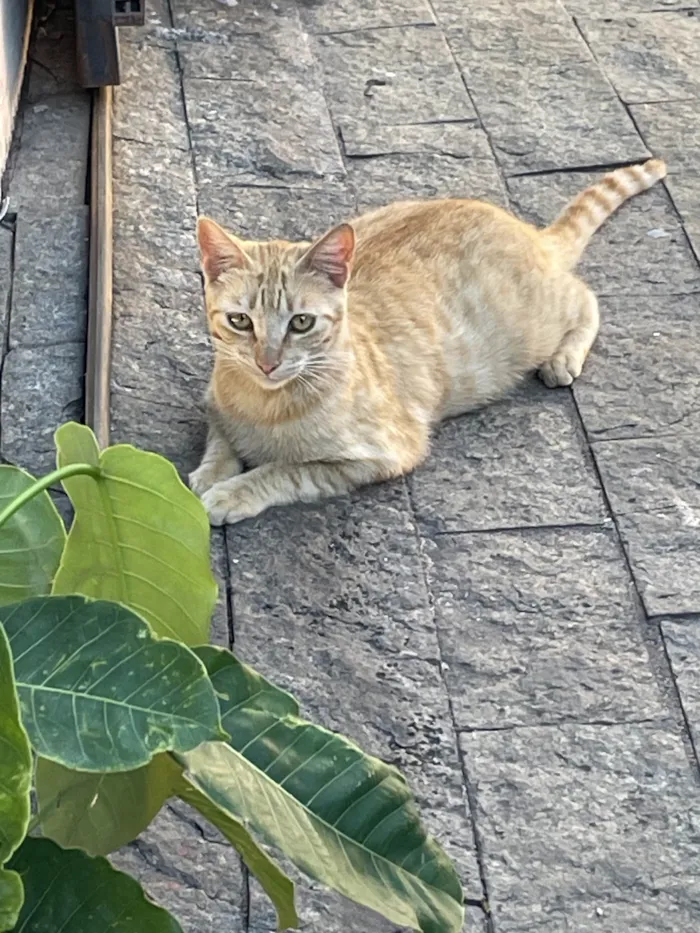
[(589, 210)]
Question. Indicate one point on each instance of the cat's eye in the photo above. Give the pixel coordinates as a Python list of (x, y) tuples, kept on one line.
[(302, 323), (240, 322)]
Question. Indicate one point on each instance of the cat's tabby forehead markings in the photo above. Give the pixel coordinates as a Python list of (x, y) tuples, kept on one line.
[(334, 360)]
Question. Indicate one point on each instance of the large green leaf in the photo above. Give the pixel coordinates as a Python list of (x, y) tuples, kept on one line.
[(341, 816), (67, 891), (31, 542), (15, 787), (102, 812), (98, 692), (139, 537), (278, 887)]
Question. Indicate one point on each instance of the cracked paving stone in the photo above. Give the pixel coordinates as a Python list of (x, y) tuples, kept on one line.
[(682, 639), (648, 58), (337, 612), (279, 133), (521, 462), (355, 15), (527, 639), (199, 881), (49, 288), (423, 162), (148, 103), (587, 828), (627, 256), (392, 76), (654, 493), (154, 214), (642, 378), (541, 96), (42, 387), (271, 213)]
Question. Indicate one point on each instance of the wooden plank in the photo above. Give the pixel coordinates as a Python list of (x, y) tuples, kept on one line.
[(99, 341), (97, 45)]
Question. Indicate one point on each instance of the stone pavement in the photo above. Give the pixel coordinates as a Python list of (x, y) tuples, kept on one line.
[(517, 626)]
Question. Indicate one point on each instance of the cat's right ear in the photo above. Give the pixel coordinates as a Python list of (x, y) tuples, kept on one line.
[(220, 251)]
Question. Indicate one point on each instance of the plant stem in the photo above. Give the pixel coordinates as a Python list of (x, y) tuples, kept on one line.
[(73, 469)]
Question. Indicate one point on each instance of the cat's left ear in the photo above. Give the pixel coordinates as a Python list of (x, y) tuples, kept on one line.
[(332, 255)]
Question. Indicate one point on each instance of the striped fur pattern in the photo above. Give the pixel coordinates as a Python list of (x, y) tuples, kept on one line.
[(335, 359)]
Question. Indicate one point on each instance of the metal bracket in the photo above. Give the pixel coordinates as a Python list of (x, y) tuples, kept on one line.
[(129, 12)]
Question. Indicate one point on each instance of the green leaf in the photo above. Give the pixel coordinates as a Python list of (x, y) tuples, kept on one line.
[(139, 537), (67, 890), (102, 812), (98, 692), (341, 816), (11, 899), (15, 786), (278, 887), (31, 542)]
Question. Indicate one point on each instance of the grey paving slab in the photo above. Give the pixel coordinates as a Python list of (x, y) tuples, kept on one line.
[(522, 462), (247, 17), (49, 293), (340, 599), (435, 160), (51, 68), (157, 29), (392, 76), (270, 213), (271, 134), (220, 623), (642, 377), (274, 55), (540, 627), (682, 640), (154, 212), (148, 104), (608, 9), (160, 343), (354, 15), (671, 130), (42, 387), (6, 240), (653, 489), (540, 94), (648, 58), (176, 433), (161, 364), (587, 828), (641, 250), (198, 880), (54, 137)]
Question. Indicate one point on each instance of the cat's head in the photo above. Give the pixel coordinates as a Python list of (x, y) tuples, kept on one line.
[(276, 310)]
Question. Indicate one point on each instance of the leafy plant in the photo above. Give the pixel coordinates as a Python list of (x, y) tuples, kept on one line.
[(106, 675)]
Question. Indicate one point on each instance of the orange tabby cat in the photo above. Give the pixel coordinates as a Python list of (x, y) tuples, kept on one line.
[(334, 360)]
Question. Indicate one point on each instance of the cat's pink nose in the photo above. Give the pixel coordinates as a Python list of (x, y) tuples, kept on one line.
[(268, 368)]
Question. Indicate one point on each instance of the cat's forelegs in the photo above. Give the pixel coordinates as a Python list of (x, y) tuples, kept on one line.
[(566, 363), (272, 484), (218, 463)]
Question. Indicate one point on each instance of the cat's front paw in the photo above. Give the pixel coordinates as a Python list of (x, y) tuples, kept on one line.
[(209, 474), (229, 502)]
